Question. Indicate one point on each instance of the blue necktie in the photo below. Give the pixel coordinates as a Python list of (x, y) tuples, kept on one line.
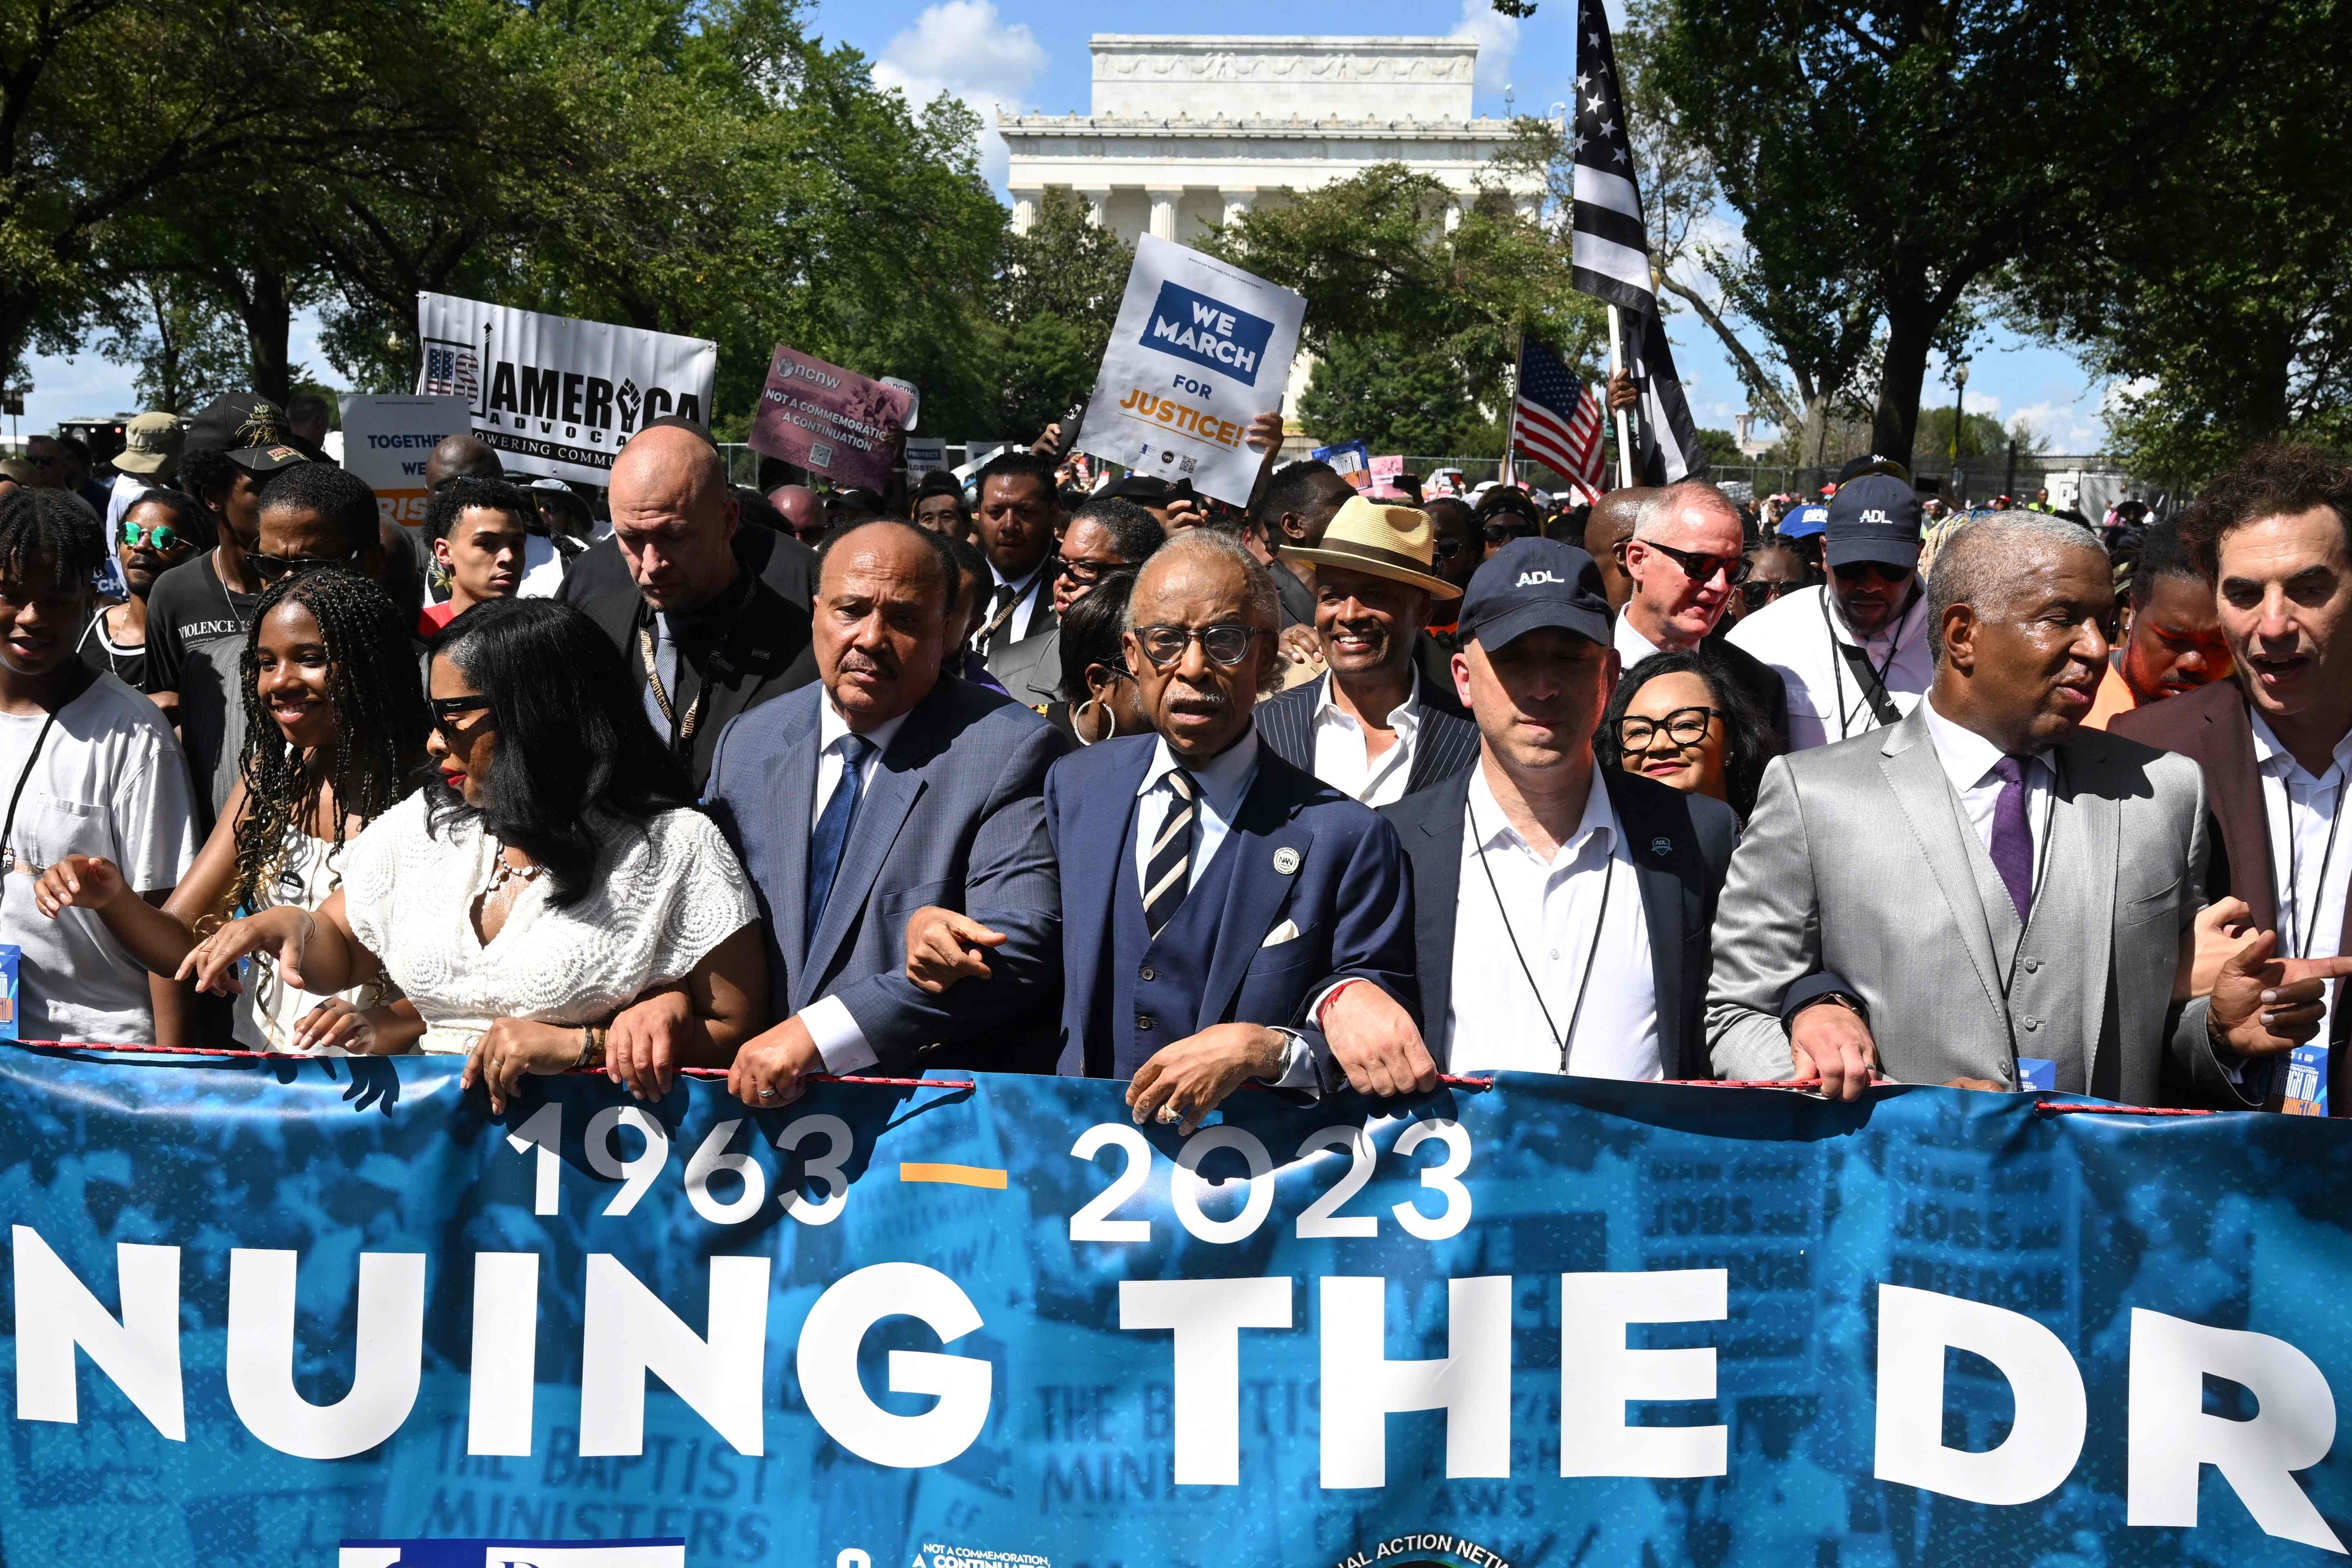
[(832, 835)]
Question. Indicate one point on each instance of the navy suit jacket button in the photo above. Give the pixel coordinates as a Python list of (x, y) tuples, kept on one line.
[(1143, 1023), (1148, 973)]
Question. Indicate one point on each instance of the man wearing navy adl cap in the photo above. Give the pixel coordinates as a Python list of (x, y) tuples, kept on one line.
[(1557, 928), (1854, 653)]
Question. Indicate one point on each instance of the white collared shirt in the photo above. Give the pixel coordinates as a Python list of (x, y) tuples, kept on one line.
[(1343, 759), (839, 1041), (1631, 647), (1798, 636), (1032, 593), (2299, 814), (1220, 786), (1969, 761), (1560, 928)]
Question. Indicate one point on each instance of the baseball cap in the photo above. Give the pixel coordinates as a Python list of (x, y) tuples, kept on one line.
[(1533, 583), (150, 442), (1873, 464), (1874, 518), (1805, 521), (250, 428)]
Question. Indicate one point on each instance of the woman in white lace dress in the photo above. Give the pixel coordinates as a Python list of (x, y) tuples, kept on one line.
[(552, 881)]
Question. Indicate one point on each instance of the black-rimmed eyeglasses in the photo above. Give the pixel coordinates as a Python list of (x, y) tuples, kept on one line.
[(1683, 727), (270, 568), (1227, 645), (448, 711)]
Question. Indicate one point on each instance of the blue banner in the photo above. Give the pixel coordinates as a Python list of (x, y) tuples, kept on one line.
[(332, 1312)]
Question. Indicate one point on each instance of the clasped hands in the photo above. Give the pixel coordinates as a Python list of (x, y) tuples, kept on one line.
[(1371, 1037)]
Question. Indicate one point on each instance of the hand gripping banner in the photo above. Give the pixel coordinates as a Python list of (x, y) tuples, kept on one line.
[(330, 1313)]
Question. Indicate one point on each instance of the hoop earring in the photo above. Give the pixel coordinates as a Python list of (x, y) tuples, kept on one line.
[(1083, 717)]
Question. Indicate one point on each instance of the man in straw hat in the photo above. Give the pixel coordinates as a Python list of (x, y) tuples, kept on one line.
[(1369, 727)]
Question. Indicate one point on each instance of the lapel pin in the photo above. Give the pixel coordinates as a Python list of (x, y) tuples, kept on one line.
[(1662, 847), (1286, 860)]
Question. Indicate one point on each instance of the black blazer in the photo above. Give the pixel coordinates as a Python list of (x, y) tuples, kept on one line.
[(767, 653), (1447, 743), (1681, 847)]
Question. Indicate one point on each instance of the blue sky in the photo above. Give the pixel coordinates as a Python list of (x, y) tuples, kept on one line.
[(1031, 54)]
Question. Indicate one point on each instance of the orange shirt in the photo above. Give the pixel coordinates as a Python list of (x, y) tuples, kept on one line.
[(2113, 697)]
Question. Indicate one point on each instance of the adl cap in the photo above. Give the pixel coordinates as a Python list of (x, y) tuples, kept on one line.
[(1533, 583)]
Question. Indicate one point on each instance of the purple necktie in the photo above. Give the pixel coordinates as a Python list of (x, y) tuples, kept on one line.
[(2012, 841)]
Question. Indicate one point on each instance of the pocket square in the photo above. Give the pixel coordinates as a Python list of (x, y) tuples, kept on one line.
[(1286, 932)]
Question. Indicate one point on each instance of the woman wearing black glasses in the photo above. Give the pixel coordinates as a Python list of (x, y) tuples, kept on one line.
[(1100, 698), (334, 734), (551, 895), (1679, 718), (161, 529)]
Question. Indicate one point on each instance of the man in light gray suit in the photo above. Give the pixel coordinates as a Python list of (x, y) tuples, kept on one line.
[(1986, 894), (884, 787)]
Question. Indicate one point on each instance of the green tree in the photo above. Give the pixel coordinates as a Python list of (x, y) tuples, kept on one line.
[(1374, 260), (1919, 149), (184, 348), (1055, 298), (1397, 395)]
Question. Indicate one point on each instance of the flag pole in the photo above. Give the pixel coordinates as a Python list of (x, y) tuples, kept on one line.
[(1625, 434), (1511, 428)]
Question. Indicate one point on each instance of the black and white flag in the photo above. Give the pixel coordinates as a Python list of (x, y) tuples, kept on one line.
[(1611, 252)]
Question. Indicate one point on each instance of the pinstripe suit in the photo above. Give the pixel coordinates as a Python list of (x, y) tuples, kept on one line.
[(1447, 743), (1860, 862)]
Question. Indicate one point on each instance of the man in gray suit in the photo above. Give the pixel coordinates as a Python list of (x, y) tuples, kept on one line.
[(884, 787), (1985, 894)]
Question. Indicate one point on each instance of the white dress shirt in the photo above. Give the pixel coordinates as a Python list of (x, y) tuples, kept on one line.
[(1032, 593), (1344, 760), (2301, 814), (1798, 635), (839, 1041), (1969, 761), (1220, 786), (1631, 647), (1564, 934)]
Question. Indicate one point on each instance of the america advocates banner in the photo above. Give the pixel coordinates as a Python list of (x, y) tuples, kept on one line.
[(558, 397), (330, 1312)]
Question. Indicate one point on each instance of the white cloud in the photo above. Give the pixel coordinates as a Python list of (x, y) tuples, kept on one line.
[(966, 49), (2070, 428), (1499, 39)]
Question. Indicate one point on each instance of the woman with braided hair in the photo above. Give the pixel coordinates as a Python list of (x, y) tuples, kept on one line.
[(334, 736)]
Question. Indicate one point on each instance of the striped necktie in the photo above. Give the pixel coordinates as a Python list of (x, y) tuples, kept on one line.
[(1167, 870)]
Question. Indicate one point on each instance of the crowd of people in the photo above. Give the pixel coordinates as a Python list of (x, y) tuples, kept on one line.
[(1342, 788)]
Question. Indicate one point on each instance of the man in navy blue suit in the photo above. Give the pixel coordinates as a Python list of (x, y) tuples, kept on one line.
[(1219, 904), (883, 788)]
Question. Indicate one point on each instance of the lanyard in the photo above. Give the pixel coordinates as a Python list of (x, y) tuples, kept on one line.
[(8, 828), (683, 733), (1837, 667), (1600, 928), (2299, 940)]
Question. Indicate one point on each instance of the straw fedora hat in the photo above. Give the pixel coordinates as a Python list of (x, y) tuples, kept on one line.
[(1389, 541)]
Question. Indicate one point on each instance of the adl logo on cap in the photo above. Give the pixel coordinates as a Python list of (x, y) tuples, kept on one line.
[(1213, 335)]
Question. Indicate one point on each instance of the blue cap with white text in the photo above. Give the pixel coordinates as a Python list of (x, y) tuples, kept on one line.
[(1533, 583)]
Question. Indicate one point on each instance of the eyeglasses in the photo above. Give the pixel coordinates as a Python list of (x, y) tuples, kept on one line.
[(162, 537), (1502, 532), (1084, 573), (270, 568), (1685, 726), (1227, 645), (447, 711), (1701, 568), (1446, 549), (1760, 591), (1876, 570)]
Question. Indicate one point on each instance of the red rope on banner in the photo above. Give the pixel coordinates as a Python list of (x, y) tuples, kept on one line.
[(2049, 1109), (296, 1056), (1476, 1085)]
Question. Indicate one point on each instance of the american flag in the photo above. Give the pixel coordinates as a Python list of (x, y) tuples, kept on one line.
[(1610, 256), (1555, 418)]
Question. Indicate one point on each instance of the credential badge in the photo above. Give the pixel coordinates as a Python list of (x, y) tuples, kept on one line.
[(1285, 861)]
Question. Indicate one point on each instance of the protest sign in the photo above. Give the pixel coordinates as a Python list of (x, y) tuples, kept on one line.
[(387, 441), (330, 1312), (559, 397), (834, 423), (1351, 460), (1199, 348), (924, 455)]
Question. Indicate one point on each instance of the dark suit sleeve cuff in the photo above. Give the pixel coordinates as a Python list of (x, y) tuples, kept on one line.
[(1811, 989)]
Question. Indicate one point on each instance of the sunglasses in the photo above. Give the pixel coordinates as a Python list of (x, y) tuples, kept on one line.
[(448, 711), (270, 568), (1760, 591), (1701, 568), (1084, 573), (1875, 571), (1446, 549), (1504, 532), (162, 537), (1684, 726), (1227, 645)]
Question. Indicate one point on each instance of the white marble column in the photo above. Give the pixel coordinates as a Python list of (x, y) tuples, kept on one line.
[(1453, 213), (1164, 209), (1025, 210), (1095, 196), (1237, 203)]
